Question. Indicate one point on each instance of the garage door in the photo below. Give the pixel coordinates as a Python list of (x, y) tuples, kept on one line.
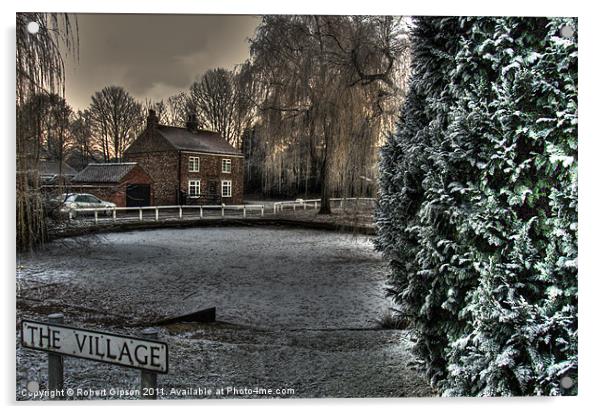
[(137, 195)]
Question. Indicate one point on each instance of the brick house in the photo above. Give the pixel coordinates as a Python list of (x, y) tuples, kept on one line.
[(125, 183), (188, 165)]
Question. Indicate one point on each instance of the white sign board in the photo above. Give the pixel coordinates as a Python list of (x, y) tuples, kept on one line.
[(97, 346)]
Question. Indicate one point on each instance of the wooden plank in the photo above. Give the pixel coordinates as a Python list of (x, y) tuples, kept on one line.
[(204, 315)]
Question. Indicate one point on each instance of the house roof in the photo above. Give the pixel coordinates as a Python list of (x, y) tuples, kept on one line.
[(53, 167), (104, 173), (201, 141)]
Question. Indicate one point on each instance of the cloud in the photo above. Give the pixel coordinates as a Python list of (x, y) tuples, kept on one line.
[(152, 54)]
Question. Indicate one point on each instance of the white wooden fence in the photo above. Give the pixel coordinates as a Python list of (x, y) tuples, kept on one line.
[(157, 213), (315, 203), (177, 212)]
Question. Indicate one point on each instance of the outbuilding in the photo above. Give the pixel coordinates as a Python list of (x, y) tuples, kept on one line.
[(53, 172), (126, 184)]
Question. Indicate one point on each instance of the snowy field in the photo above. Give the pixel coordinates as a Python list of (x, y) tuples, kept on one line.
[(295, 308)]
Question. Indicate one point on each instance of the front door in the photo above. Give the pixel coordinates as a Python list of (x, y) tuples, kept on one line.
[(212, 194), (137, 195)]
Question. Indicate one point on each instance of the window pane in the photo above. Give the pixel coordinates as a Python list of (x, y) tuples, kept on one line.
[(194, 188), (226, 165), (193, 164), (226, 188)]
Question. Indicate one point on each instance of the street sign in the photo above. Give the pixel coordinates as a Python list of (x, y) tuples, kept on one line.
[(127, 351)]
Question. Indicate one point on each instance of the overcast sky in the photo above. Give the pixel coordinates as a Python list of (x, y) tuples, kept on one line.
[(153, 56)]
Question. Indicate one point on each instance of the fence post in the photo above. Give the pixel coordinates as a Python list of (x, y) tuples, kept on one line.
[(95, 216), (262, 210), (114, 215), (55, 361), (180, 212), (201, 212), (294, 206), (140, 214), (315, 205), (244, 211), (222, 210), (156, 213), (148, 379), (70, 214)]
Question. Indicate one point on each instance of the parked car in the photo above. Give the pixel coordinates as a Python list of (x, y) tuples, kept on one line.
[(74, 201)]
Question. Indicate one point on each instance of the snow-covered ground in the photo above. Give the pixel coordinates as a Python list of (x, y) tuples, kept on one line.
[(295, 308)]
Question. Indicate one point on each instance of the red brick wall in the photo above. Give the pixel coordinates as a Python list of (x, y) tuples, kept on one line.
[(163, 169), (137, 176), (210, 169), (160, 161)]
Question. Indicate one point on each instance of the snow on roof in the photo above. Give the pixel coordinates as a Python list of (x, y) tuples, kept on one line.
[(104, 173), (201, 140), (53, 167)]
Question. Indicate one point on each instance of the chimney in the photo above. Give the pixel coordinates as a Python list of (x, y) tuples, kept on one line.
[(192, 124), (152, 120)]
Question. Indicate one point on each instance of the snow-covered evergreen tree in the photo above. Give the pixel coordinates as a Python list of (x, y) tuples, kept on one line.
[(478, 205)]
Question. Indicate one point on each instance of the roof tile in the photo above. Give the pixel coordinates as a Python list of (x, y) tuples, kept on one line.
[(104, 173), (202, 140)]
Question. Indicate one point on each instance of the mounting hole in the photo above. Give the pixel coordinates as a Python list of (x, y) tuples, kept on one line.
[(33, 386), (567, 382), (33, 27), (567, 32)]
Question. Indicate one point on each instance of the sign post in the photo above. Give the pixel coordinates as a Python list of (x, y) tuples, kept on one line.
[(55, 361), (147, 354), (148, 379)]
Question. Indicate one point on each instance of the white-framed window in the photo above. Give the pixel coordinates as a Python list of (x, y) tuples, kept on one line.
[(226, 188), (193, 164), (194, 188), (226, 165)]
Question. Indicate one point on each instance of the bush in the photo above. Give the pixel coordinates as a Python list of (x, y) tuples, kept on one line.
[(478, 204)]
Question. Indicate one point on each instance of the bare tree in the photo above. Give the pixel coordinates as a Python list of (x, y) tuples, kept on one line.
[(39, 70), (116, 118), (328, 89), (174, 111), (83, 149), (222, 103), (48, 120), (177, 108)]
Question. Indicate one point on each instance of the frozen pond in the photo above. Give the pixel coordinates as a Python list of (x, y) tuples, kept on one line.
[(296, 309), (253, 276)]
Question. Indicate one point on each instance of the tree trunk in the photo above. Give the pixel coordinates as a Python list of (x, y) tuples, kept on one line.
[(325, 181), (325, 198)]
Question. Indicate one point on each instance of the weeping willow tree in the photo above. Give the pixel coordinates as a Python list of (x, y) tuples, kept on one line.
[(39, 71), (326, 89)]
